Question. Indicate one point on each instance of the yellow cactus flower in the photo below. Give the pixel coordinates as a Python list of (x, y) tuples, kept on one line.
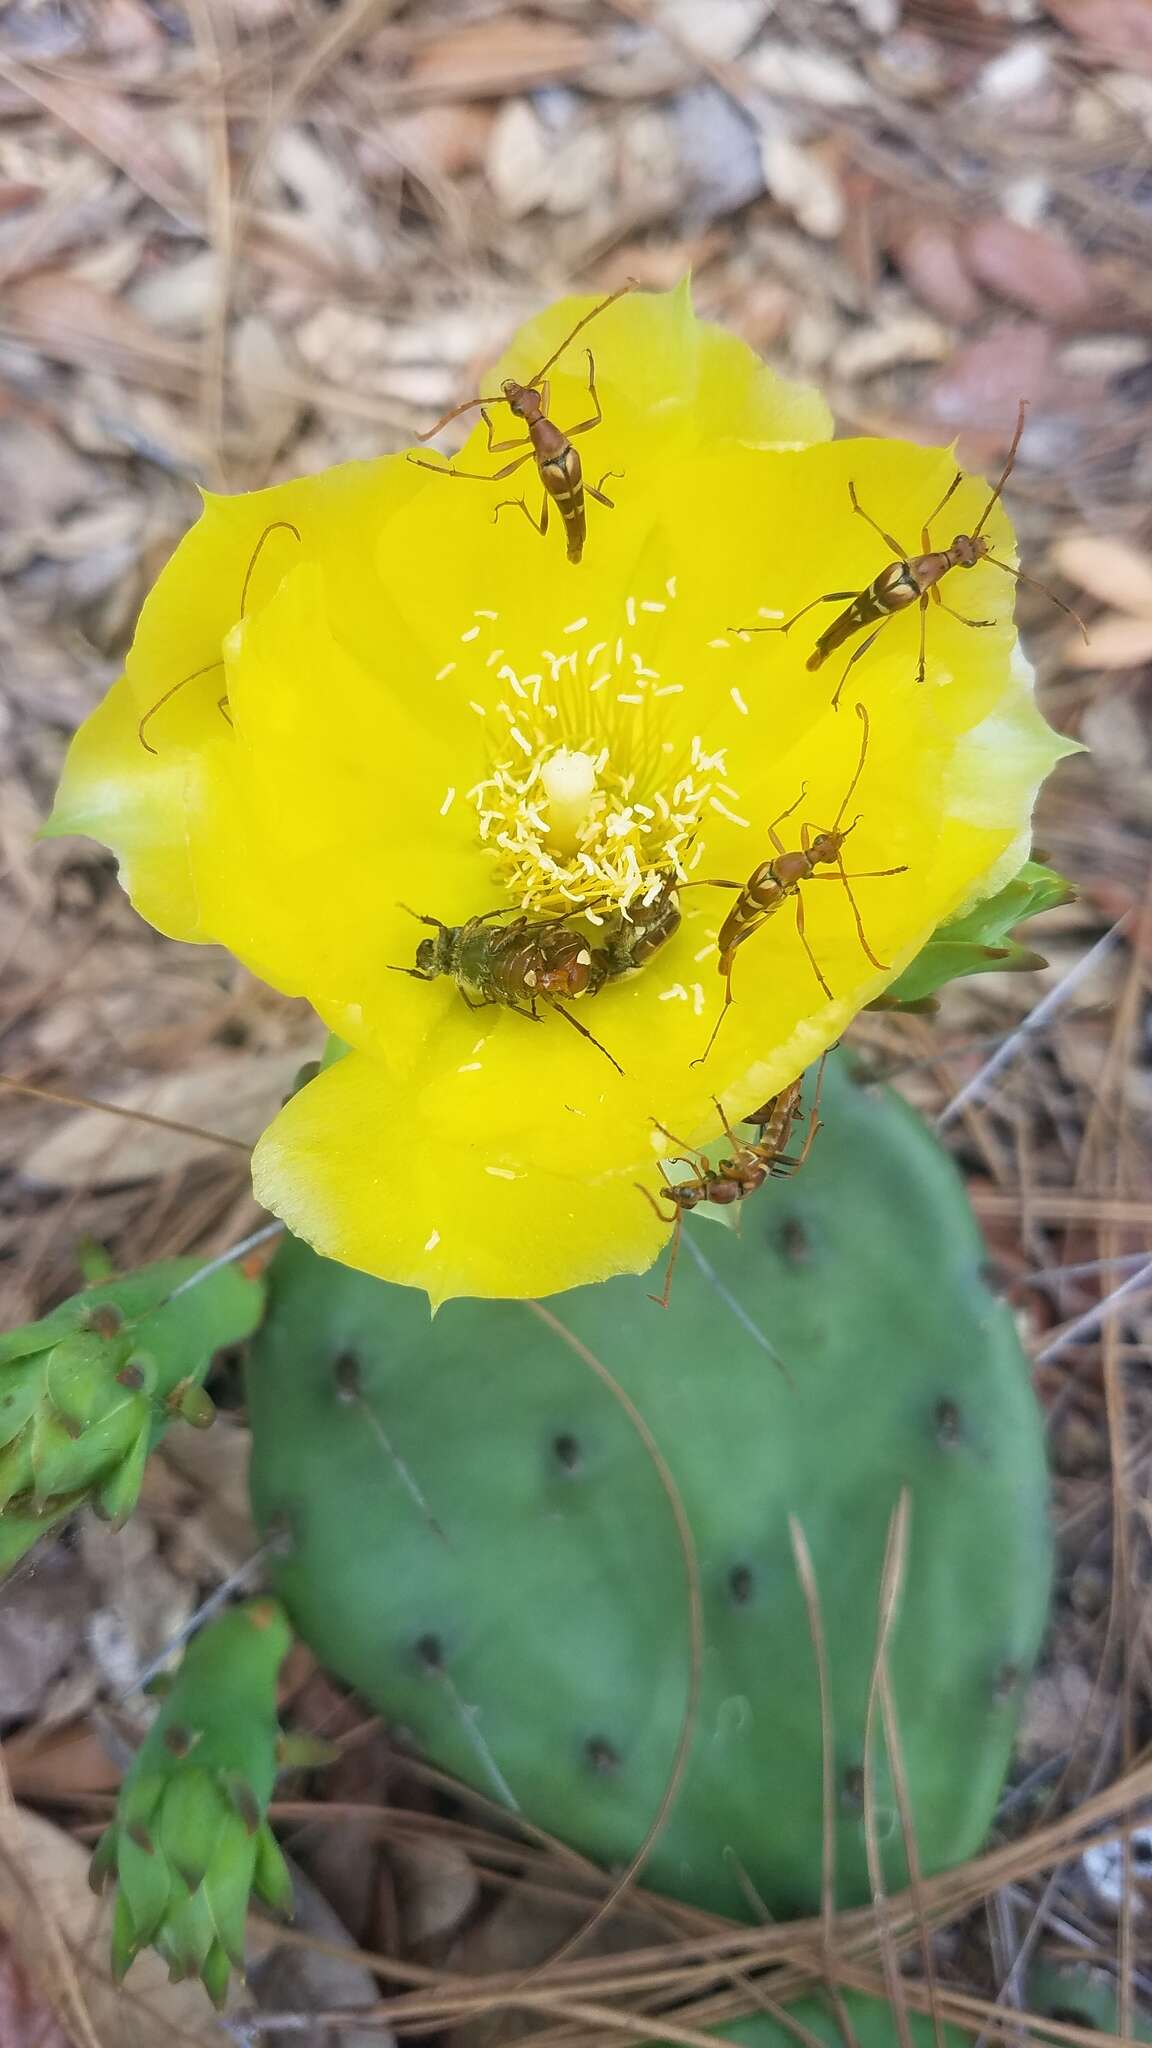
[(400, 695)]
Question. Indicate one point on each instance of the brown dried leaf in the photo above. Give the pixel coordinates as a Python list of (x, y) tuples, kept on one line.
[(116, 129), (216, 1532), (307, 1979), (447, 138), (506, 53), (980, 387), (26, 2019), (1118, 29), (42, 1619), (929, 256), (1029, 267), (45, 1900), (438, 1887), (58, 1766), (236, 1098), (59, 310), (1112, 569)]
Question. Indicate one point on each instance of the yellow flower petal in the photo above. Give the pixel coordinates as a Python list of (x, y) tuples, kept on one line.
[(431, 712), (351, 1163)]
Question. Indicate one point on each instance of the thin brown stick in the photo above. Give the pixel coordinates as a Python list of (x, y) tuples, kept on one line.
[(695, 1621), (136, 1116), (806, 1574), (891, 1581)]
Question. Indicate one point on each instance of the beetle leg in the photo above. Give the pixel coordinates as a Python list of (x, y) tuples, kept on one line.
[(858, 655), (786, 625), (889, 539), (541, 524), (502, 447), (816, 968), (596, 490), (474, 476), (585, 426)]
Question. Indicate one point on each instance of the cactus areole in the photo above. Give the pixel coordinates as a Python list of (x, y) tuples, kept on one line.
[(473, 1535)]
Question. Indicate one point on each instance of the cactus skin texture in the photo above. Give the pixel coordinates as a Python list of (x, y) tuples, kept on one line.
[(474, 1537), (1082, 1996), (870, 2024), (87, 1392), (190, 1841)]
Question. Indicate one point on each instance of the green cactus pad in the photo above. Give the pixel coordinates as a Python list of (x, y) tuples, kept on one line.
[(1082, 1996), (190, 1841), (87, 1392), (869, 2024), (475, 1538), (981, 941)]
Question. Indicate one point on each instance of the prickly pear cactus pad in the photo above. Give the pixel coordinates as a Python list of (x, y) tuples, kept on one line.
[(88, 1391), (871, 2021), (477, 1540)]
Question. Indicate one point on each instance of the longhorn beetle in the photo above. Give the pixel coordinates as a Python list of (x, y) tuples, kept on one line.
[(277, 526), (775, 880), (749, 1167), (549, 446), (521, 964), (911, 579)]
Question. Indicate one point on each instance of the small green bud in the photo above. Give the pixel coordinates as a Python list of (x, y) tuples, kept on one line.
[(190, 1841)]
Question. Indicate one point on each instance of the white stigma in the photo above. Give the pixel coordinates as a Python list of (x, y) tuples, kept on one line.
[(570, 785)]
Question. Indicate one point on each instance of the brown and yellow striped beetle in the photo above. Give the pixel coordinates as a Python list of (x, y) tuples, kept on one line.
[(549, 446)]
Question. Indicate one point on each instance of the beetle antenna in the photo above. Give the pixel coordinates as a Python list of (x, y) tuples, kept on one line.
[(594, 314), (1022, 577), (862, 715), (466, 406), (1006, 472)]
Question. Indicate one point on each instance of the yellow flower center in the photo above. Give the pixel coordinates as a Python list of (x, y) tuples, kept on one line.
[(594, 794)]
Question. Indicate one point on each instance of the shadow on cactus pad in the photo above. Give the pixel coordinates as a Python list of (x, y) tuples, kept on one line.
[(473, 1535)]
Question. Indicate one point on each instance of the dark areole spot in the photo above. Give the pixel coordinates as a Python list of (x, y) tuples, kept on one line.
[(946, 1416), (740, 1584), (601, 1755), (566, 1451), (346, 1375), (430, 1651), (795, 1243), (852, 1787)]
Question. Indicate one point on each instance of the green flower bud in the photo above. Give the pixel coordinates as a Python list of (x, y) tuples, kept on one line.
[(87, 1392), (190, 1841)]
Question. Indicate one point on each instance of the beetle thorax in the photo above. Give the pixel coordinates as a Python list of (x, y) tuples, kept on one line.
[(523, 400)]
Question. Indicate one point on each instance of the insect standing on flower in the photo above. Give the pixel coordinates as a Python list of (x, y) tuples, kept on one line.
[(911, 579), (736, 1178), (775, 880), (633, 937), (549, 446), (518, 965), (277, 526)]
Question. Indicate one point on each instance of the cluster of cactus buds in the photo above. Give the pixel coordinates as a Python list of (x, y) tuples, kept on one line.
[(190, 1842), (88, 1391)]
